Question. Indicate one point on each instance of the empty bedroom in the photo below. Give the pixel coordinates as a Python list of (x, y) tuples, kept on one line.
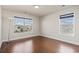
[(39, 28)]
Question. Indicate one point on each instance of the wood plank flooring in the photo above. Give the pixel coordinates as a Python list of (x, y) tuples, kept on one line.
[(38, 44)]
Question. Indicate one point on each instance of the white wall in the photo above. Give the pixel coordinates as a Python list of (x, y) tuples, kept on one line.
[(7, 15), (0, 26), (45, 26), (50, 26)]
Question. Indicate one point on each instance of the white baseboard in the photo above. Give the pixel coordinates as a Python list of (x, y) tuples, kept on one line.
[(68, 41), (22, 37), (18, 38)]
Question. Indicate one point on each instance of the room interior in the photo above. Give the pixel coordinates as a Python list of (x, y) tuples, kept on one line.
[(39, 28)]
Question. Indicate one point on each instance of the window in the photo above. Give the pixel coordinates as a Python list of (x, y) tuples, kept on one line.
[(19, 21), (22, 24), (67, 24)]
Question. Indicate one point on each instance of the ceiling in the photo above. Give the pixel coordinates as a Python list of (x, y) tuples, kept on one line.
[(43, 10)]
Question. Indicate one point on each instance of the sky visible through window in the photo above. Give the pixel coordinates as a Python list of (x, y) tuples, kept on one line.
[(67, 24), (67, 20), (19, 21)]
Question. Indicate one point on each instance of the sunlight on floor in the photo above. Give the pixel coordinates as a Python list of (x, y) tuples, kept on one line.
[(65, 49), (23, 47), (28, 47)]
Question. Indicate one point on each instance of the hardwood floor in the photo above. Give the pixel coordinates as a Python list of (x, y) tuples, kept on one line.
[(38, 44)]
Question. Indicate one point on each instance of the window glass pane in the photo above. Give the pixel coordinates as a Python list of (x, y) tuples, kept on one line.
[(67, 20), (19, 21), (67, 23), (28, 22), (22, 24)]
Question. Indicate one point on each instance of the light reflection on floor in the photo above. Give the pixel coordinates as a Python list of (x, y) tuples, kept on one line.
[(39, 45), (23, 47), (28, 46), (65, 49)]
